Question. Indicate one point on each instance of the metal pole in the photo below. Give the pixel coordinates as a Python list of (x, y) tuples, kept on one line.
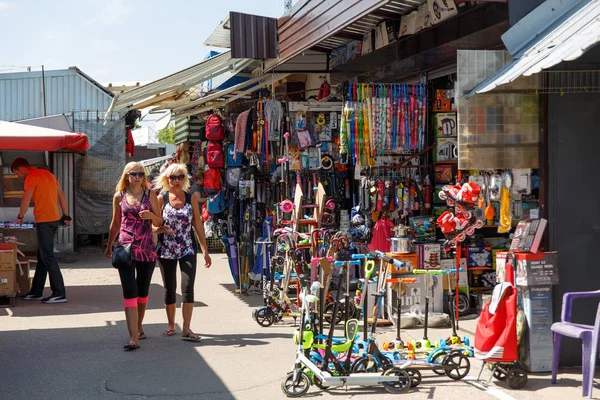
[(44, 90)]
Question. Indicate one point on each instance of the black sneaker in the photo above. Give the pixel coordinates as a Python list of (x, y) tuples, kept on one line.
[(54, 299), (30, 296)]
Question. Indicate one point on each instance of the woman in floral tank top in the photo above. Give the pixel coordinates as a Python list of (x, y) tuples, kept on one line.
[(177, 245), (135, 210)]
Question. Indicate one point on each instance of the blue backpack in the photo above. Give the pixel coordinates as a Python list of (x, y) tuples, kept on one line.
[(230, 161), (216, 203)]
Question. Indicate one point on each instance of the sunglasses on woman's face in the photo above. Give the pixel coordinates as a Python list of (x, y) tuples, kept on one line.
[(138, 174), (176, 177)]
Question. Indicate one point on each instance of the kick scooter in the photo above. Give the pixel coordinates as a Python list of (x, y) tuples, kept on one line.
[(297, 383)]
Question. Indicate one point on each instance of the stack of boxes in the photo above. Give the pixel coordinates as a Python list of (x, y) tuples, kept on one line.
[(8, 275)]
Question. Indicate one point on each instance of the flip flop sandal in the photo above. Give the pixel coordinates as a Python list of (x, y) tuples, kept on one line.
[(192, 337), (131, 346), (142, 336), (168, 332)]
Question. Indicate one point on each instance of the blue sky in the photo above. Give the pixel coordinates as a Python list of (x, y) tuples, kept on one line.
[(114, 40)]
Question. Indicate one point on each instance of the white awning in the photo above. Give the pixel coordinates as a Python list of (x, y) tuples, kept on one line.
[(184, 83), (570, 30)]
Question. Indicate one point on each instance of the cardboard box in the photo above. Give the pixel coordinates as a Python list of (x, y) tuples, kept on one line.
[(367, 44), (413, 294), (502, 273), (463, 281), (409, 258), (23, 280), (539, 269), (443, 174), (8, 256), (8, 286), (479, 257), (423, 19), (445, 124), (441, 10), (408, 24), (446, 149), (537, 306), (429, 255)]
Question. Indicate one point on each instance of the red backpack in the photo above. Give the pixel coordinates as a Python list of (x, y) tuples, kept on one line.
[(212, 180), (214, 128), (214, 155)]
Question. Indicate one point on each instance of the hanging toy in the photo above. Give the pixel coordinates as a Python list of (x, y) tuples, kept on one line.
[(505, 223), (489, 210)]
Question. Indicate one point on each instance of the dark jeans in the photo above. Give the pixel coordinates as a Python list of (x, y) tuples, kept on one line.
[(168, 269), (46, 261)]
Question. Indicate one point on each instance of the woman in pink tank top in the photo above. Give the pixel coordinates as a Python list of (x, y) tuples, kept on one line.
[(135, 210)]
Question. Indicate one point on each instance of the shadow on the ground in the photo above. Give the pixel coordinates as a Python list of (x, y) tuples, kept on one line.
[(90, 363), (86, 300), (250, 298)]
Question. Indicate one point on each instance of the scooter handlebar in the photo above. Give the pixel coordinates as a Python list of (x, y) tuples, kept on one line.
[(435, 271), (386, 258), (359, 256), (340, 263)]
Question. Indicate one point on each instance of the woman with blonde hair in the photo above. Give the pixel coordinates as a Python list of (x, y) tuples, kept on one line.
[(135, 210), (177, 244)]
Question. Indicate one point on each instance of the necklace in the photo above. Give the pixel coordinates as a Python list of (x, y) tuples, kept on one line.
[(136, 196)]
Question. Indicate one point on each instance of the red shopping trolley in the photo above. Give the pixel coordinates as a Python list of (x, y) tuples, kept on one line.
[(496, 337)]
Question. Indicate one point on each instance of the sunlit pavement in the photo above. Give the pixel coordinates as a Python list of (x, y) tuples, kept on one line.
[(74, 350)]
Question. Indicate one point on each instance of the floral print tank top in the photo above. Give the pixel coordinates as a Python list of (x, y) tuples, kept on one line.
[(179, 244), (137, 231)]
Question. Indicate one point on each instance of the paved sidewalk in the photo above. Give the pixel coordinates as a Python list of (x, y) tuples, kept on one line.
[(74, 350)]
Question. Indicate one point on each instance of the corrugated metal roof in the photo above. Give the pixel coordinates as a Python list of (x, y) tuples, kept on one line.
[(326, 25), (220, 36), (66, 91), (253, 36), (180, 84), (571, 34)]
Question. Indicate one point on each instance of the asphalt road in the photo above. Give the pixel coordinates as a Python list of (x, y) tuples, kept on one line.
[(74, 350)]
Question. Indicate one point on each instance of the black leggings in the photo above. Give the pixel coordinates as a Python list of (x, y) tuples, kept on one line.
[(168, 269), (136, 287)]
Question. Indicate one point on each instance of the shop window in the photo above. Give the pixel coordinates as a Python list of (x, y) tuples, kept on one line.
[(498, 129), (11, 187)]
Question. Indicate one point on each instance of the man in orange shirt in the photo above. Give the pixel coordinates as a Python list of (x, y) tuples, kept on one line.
[(42, 187)]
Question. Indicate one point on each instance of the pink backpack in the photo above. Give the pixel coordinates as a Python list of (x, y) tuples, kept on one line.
[(214, 128), (214, 155)]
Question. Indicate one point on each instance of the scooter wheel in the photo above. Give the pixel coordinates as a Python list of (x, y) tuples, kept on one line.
[(415, 377), (328, 313), (319, 384), (295, 389), (457, 365), (361, 364), (402, 385), (438, 359), (265, 316), (516, 378)]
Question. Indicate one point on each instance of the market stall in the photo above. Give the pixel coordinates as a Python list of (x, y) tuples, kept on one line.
[(42, 147)]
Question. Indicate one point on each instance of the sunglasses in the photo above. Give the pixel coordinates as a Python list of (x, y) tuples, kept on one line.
[(138, 174), (176, 177)]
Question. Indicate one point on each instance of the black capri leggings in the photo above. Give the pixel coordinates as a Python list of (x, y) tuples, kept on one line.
[(168, 269), (136, 287)]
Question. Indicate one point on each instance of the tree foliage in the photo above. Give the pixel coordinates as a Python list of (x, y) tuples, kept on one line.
[(166, 135)]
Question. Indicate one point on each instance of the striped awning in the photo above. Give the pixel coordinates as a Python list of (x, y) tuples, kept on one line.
[(182, 130)]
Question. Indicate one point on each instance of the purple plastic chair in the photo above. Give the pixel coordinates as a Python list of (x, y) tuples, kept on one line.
[(587, 333)]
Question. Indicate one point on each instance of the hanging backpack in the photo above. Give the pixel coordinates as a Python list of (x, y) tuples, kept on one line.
[(231, 162), (212, 180), (214, 128), (214, 155), (216, 203)]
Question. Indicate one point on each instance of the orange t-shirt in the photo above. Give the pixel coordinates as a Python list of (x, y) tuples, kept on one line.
[(45, 195)]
